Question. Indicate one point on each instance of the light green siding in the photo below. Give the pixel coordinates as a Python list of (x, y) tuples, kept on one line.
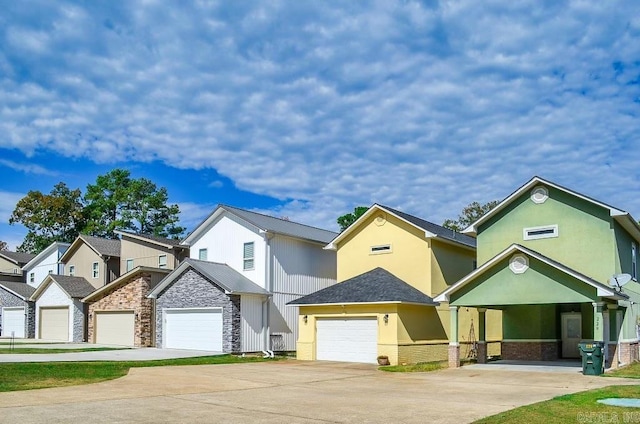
[(623, 243), (585, 242), (540, 284)]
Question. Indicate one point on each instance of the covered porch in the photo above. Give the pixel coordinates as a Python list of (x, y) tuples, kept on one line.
[(547, 309)]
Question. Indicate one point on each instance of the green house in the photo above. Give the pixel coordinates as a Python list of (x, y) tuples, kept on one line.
[(562, 268)]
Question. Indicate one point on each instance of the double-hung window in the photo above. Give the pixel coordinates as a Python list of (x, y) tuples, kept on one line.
[(202, 254), (95, 270), (162, 261), (248, 256)]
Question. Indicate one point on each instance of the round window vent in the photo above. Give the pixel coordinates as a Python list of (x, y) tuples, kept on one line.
[(518, 264), (380, 219), (539, 194)]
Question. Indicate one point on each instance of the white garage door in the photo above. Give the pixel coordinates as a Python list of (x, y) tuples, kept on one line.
[(115, 328), (198, 329), (54, 323), (13, 322), (347, 340)]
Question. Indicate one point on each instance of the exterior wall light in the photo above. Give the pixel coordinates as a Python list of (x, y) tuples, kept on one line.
[(386, 318), (305, 319)]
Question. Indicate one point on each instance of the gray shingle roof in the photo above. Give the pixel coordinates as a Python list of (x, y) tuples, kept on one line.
[(76, 287), (162, 240), (105, 247), (226, 277), (22, 289), (438, 230), (377, 285), (282, 226), (20, 258)]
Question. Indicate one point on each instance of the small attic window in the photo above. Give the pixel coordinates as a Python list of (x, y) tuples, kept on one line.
[(383, 248), (533, 233), (539, 194)]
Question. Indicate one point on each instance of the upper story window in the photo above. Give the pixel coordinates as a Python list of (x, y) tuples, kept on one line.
[(15, 270), (50, 271), (72, 270), (634, 260), (247, 256), (32, 277), (129, 264), (202, 254), (383, 248), (533, 233), (95, 269), (162, 261)]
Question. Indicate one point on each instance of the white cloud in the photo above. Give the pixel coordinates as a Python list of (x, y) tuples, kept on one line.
[(27, 168), (421, 106)]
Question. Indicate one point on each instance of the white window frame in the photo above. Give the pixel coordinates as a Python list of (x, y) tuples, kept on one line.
[(380, 249), (95, 270), (127, 267), (160, 263), (248, 259), (72, 270), (543, 232), (634, 260), (202, 253)]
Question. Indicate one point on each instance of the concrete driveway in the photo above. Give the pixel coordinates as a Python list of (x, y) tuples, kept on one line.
[(292, 392)]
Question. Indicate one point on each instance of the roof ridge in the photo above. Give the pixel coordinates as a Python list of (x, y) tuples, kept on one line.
[(222, 205)]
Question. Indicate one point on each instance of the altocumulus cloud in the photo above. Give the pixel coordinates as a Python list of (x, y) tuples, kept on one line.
[(424, 106)]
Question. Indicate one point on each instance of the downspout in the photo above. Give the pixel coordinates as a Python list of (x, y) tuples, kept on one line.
[(266, 305), (106, 270)]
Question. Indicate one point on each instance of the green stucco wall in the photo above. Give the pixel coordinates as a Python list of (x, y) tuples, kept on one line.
[(540, 284), (585, 242), (535, 322)]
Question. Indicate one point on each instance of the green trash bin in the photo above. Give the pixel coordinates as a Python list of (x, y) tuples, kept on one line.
[(592, 357)]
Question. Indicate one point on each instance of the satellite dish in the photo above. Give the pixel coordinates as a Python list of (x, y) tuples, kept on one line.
[(619, 280)]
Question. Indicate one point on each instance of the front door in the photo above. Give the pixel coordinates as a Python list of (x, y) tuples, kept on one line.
[(571, 334)]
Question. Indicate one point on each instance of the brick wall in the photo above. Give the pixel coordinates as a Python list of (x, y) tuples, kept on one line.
[(129, 296), (531, 351), (415, 353), (628, 353)]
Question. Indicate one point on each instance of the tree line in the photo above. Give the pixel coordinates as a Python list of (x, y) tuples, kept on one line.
[(116, 201)]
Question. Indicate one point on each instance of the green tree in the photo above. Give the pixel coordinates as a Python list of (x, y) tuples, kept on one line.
[(347, 219), (57, 216), (118, 202), (470, 214)]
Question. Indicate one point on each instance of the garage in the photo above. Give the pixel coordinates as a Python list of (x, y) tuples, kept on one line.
[(13, 322), (347, 340), (115, 327), (54, 323), (197, 329)]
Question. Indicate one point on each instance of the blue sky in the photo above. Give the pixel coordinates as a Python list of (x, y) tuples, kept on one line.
[(307, 109)]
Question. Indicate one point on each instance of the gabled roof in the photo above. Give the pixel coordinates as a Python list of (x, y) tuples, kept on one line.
[(602, 289), (102, 246), (622, 217), (264, 223), (18, 258), (74, 287), (123, 280), (375, 286), (21, 290), (162, 241), (46, 252), (227, 278), (430, 229)]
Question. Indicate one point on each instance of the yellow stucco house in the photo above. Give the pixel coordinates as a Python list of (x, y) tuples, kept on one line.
[(390, 265)]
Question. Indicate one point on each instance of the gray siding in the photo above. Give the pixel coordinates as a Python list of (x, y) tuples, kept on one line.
[(192, 290), (7, 300)]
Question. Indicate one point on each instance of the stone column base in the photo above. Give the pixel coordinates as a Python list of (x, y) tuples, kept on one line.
[(482, 352), (454, 356)]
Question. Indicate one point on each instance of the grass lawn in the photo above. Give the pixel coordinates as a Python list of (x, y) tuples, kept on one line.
[(36, 375), (423, 367), (26, 350)]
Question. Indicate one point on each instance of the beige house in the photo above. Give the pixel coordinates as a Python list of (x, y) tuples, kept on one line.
[(95, 259), (12, 262), (137, 250)]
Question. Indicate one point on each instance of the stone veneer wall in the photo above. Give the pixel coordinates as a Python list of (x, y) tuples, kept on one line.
[(8, 300), (79, 320), (531, 351), (131, 296), (193, 290)]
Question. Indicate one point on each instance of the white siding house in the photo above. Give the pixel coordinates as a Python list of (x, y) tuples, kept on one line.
[(283, 257), (45, 263)]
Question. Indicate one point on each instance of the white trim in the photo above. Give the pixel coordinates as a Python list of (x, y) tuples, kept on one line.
[(519, 264), (381, 249), (161, 265), (542, 230), (539, 194), (397, 302), (95, 273), (602, 290), (46, 252), (126, 264)]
